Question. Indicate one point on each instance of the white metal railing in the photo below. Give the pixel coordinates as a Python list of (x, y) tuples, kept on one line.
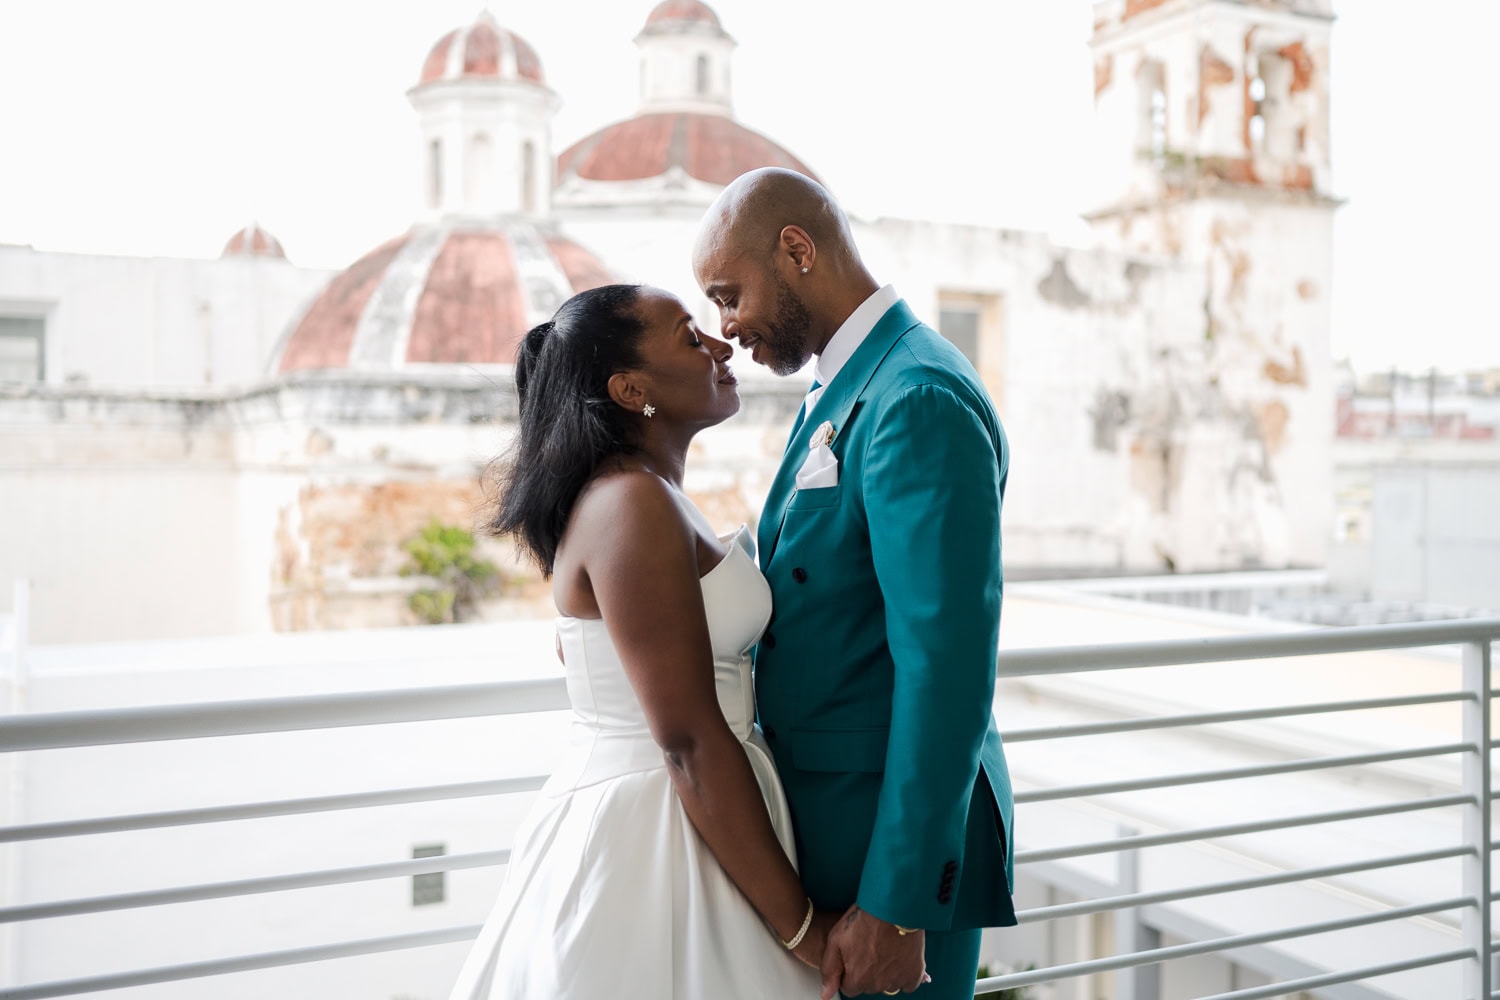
[(1471, 845)]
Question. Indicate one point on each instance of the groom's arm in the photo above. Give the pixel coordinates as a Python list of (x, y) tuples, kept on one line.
[(932, 488)]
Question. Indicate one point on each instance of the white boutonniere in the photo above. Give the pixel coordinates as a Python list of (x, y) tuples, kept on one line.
[(822, 436)]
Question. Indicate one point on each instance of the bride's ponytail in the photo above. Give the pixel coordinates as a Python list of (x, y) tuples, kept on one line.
[(569, 424), (527, 353)]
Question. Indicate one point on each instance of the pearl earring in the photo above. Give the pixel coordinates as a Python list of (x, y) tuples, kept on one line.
[(649, 410)]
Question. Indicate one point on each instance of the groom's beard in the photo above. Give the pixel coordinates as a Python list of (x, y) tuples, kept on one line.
[(786, 343)]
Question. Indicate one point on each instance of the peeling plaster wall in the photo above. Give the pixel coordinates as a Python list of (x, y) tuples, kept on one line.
[(1256, 368), (1133, 447), (1234, 435), (1165, 411), (1207, 56)]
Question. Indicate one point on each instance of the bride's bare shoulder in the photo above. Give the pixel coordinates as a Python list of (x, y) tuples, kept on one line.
[(628, 498)]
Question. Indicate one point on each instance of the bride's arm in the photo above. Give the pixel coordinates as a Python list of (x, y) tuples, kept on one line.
[(643, 568)]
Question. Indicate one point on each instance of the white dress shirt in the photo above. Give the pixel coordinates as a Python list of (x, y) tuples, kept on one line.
[(847, 338)]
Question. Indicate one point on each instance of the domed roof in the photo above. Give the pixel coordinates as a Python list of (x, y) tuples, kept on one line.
[(713, 148), (683, 13), (253, 241), (482, 50), (457, 292)]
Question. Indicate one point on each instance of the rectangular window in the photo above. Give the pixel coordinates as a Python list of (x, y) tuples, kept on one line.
[(22, 343), (959, 323), (432, 888), (435, 174), (973, 321)]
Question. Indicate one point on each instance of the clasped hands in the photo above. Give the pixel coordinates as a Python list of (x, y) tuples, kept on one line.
[(858, 953)]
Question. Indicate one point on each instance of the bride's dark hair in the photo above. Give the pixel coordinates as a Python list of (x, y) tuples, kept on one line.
[(569, 424)]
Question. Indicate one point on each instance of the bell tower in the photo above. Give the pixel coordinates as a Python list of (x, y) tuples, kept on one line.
[(1214, 98), (1211, 123), (485, 116), (685, 59)]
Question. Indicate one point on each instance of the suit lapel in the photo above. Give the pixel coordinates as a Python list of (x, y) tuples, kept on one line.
[(837, 405)]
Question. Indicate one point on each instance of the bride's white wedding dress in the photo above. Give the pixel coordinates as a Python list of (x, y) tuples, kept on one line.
[(611, 892)]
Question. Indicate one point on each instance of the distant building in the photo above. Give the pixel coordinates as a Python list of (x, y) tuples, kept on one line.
[(199, 447), (1417, 481), (1462, 406)]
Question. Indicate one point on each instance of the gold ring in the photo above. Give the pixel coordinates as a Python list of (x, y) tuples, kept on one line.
[(890, 993)]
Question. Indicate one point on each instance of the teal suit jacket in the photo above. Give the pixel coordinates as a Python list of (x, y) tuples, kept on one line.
[(876, 675)]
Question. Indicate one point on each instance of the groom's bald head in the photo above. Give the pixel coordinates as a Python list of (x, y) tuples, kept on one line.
[(749, 215), (775, 254)]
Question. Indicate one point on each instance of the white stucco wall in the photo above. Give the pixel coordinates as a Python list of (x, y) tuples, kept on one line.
[(156, 321)]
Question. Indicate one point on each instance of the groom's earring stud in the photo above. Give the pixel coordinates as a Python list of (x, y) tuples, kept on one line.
[(804, 270), (649, 410)]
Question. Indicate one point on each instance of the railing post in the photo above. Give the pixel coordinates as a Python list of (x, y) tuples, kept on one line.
[(15, 787), (1476, 868), (1131, 934)]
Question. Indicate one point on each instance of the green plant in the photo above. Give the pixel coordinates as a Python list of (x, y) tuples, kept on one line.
[(445, 553), (1016, 993)]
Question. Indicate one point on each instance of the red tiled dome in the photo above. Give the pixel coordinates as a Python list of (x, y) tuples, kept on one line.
[(253, 241), (447, 293), (707, 147), (683, 12), (483, 50)]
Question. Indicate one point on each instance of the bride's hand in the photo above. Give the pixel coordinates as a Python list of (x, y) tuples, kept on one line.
[(810, 951)]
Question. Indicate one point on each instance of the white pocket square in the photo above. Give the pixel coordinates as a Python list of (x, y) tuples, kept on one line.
[(819, 470)]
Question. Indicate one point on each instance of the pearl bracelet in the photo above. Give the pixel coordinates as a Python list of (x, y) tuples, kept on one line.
[(801, 931)]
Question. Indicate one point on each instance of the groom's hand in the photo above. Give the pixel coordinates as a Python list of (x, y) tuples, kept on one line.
[(867, 955)]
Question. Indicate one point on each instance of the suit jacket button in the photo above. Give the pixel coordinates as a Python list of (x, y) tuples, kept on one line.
[(768, 640), (799, 574)]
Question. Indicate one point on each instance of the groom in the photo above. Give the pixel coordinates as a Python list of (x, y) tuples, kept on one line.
[(881, 541)]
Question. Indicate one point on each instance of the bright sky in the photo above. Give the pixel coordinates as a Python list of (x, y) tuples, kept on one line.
[(159, 127)]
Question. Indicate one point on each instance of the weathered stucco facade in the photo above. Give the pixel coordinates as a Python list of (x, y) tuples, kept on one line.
[(1212, 132), (1167, 392)]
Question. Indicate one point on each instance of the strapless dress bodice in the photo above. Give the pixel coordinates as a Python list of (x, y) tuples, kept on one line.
[(737, 603)]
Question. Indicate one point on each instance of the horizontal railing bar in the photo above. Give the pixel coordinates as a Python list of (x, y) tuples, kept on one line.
[(1138, 841), (1230, 943), (243, 963), (112, 726), (1233, 773), (263, 810), (1174, 583), (1107, 903), (1212, 718), (1216, 649), (251, 886), (106, 727), (1334, 978)]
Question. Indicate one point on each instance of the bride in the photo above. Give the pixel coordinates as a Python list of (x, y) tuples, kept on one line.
[(658, 859)]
